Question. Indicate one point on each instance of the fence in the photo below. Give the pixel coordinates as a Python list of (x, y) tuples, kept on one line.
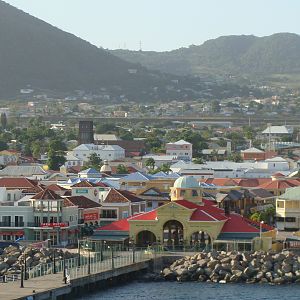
[(95, 262)]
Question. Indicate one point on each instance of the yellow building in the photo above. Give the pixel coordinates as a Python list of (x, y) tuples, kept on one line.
[(288, 210), (187, 220)]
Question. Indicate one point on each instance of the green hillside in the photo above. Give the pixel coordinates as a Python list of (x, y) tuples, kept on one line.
[(275, 54)]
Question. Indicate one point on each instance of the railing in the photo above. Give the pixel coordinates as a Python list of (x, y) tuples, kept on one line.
[(11, 224), (95, 262)]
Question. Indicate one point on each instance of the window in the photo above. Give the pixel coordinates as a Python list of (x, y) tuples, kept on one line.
[(8, 197), (149, 204), (290, 219), (71, 218), (6, 237), (280, 204), (6, 221), (125, 214), (194, 193), (109, 214), (37, 236), (19, 221), (279, 219)]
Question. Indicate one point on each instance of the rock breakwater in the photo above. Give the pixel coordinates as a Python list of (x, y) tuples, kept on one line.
[(12, 258), (235, 267)]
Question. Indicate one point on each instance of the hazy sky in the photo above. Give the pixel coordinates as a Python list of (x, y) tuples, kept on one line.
[(164, 24)]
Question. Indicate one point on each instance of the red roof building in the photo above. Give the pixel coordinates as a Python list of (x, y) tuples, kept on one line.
[(182, 221)]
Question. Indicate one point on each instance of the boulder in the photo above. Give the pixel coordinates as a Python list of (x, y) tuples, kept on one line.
[(211, 264), (225, 260), (168, 274), (202, 278), (202, 263), (3, 266), (207, 272), (199, 271), (10, 260), (250, 272), (286, 268)]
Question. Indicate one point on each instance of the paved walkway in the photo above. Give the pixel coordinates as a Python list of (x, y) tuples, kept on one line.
[(12, 290)]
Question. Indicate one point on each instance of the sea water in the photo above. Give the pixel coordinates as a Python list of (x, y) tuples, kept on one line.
[(195, 290)]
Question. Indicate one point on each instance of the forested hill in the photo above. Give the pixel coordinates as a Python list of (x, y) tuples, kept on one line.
[(37, 55), (243, 54)]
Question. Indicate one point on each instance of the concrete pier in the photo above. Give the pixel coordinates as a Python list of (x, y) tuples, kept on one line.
[(51, 287)]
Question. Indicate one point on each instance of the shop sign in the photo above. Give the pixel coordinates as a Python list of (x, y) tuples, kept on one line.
[(93, 216), (54, 225)]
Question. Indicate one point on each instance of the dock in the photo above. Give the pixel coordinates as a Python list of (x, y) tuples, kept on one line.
[(84, 278)]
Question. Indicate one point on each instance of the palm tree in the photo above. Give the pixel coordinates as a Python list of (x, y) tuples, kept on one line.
[(150, 163)]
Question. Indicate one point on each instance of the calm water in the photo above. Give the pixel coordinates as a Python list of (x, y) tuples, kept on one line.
[(194, 290)]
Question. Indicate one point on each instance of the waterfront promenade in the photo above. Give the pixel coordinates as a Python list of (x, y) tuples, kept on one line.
[(52, 286)]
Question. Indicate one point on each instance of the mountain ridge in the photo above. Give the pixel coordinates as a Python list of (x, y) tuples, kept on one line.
[(36, 54), (237, 54)]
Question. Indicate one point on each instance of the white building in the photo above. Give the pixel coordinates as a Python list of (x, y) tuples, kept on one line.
[(229, 169), (180, 149), (105, 152), (73, 161), (276, 131)]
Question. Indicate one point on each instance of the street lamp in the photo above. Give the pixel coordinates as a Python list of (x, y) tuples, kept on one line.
[(87, 247), (64, 270), (54, 261), (78, 265), (260, 233), (260, 228), (112, 257), (22, 276), (25, 267)]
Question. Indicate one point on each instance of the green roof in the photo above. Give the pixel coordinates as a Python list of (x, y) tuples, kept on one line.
[(291, 194)]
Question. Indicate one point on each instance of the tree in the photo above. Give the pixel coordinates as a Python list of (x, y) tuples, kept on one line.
[(105, 128), (36, 150), (198, 160), (55, 160), (163, 168), (3, 145), (121, 169), (57, 145), (153, 143), (236, 157), (94, 162), (125, 135), (196, 139), (150, 163), (215, 106), (3, 120)]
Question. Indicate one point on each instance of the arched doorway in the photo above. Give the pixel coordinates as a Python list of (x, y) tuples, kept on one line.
[(173, 234), (200, 240), (145, 238)]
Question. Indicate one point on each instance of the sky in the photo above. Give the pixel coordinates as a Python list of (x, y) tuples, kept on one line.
[(163, 25)]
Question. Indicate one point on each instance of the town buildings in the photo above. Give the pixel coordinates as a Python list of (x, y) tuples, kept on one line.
[(180, 149), (187, 220), (105, 152), (288, 210)]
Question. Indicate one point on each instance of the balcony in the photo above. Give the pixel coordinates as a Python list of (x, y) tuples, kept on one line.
[(32, 224), (12, 224)]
